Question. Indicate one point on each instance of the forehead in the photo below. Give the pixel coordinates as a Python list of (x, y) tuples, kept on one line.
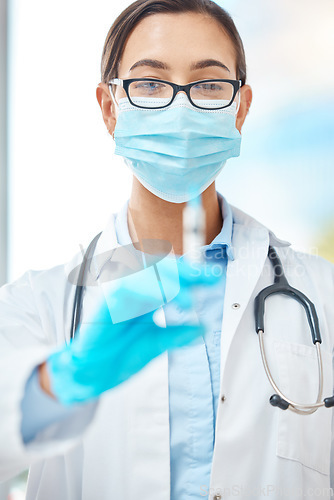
[(178, 39)]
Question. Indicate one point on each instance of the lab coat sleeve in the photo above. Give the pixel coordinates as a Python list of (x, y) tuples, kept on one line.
[(23, 346), (39, 410)]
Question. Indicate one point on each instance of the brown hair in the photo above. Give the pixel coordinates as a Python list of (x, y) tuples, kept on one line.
[(137, 11)]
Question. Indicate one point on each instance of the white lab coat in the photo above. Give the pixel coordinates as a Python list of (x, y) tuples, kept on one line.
[(118, 447)]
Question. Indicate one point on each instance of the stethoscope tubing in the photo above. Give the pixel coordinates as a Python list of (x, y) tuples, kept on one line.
[(303, 409), (80, 287)]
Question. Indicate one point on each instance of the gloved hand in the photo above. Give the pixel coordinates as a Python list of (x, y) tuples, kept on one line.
[(105, 352)]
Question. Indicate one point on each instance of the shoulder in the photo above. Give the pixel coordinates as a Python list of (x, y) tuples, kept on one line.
[(42, 285), (314, 268), (296, 264)]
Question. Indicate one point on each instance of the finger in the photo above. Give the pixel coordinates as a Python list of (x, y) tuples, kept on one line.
[(184, 299), (176, 336), (174, 275), (102, 335)]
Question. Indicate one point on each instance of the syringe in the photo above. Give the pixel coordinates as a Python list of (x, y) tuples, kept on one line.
[(193, 230), (193, 240)]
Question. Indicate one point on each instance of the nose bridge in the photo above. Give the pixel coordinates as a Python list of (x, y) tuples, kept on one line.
[(183, 89)]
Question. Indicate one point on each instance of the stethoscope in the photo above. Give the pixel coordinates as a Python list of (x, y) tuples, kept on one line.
[(280, 286)]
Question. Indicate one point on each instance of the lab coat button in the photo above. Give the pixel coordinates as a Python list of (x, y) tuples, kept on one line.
[(217, 497), (223, 398), (235, 305)]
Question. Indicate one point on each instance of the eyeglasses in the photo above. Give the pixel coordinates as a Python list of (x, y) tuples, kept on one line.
[(151, 93)]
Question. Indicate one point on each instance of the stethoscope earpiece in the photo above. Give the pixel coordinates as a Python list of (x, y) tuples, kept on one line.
[(276, 400), (329, 402)]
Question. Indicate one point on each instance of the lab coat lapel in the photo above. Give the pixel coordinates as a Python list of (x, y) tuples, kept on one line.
[(250, 246), (127, 447), (149, 436), (104, 248)]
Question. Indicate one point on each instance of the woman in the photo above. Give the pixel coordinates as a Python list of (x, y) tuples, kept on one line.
[(131, 409)]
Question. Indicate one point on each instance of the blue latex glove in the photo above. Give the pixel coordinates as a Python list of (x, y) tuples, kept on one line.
[(110, 349)]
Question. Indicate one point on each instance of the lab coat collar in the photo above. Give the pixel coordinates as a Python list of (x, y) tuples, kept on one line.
[(241, 218), (108, 240)]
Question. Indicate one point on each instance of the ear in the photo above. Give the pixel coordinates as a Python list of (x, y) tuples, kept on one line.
[(246, 96), (107, 106)]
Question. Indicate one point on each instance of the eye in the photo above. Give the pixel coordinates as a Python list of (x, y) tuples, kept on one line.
[(220, 90), (148, 86), (208, 87)]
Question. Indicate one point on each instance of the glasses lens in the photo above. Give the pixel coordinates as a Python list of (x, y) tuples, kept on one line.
[(212, 95), (150, 94), (119, 92)]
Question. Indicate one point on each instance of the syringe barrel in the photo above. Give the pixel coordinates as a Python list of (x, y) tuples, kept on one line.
[(193, 229)]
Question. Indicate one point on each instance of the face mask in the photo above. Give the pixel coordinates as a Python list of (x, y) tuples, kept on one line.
[(178, 151)]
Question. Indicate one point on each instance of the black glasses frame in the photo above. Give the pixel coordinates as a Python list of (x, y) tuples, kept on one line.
[(176, 89)]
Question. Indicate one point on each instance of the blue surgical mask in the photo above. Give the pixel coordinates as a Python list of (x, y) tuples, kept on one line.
[(178, 151)]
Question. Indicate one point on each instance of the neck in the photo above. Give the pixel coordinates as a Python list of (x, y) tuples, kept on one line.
[(150, 217)]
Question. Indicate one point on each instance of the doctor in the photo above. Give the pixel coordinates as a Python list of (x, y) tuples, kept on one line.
[(131, 409)]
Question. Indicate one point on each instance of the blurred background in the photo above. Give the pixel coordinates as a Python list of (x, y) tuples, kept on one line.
[(60, 180)]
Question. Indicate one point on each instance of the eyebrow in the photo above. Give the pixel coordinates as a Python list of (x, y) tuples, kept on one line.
[(154, 63), (207, 63)]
